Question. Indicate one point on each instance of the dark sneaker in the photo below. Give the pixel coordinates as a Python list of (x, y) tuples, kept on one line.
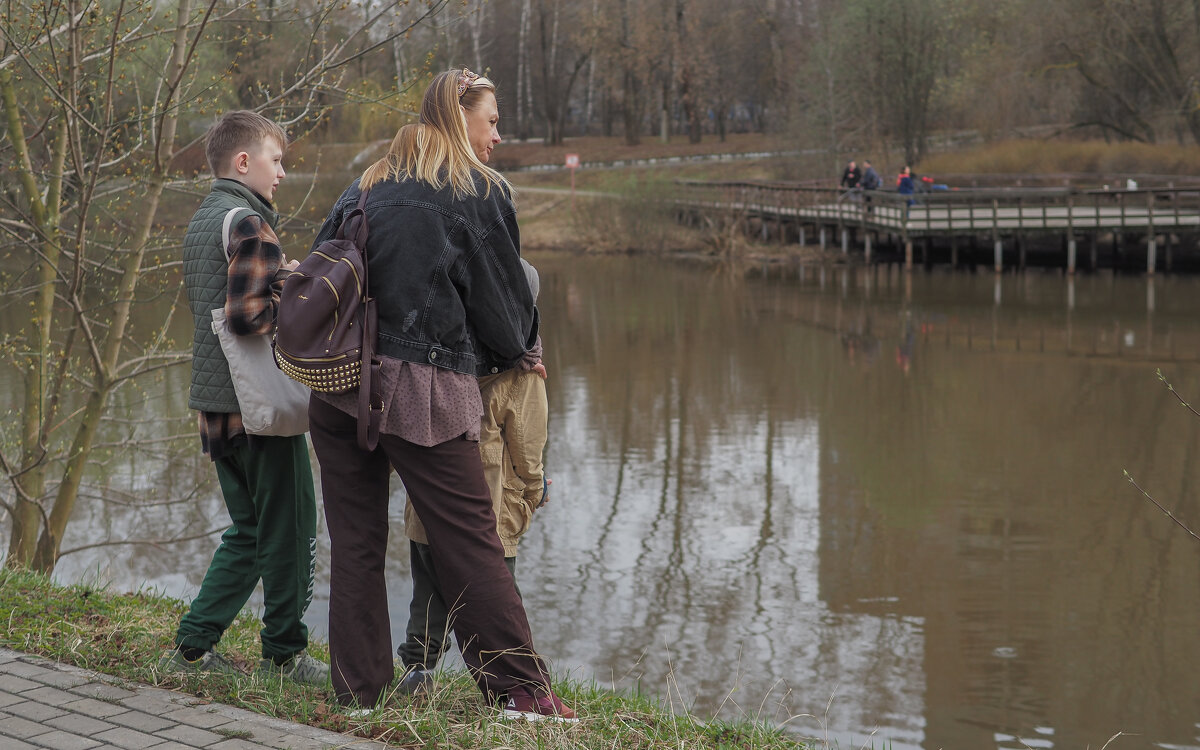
[(523, 705), (211, 661), (301, 669), (416, 681)]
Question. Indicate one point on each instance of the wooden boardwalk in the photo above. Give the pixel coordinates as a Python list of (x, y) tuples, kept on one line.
[(1126, 221)]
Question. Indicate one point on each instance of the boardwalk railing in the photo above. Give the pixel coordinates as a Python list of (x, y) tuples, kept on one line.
[(996, 213)]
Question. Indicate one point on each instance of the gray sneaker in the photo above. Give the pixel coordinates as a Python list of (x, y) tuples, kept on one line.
[(416, 681), (301, 669), (174, 661)]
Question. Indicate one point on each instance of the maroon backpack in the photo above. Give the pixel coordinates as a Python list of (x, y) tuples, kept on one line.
[(325, 334)]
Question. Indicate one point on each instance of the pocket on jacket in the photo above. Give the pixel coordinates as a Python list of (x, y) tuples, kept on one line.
[(516, 513)]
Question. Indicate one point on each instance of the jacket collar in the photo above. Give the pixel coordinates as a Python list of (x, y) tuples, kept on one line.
[(259, 204)]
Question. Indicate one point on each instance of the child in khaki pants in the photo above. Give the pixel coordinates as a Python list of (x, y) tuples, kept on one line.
[(512, 438)]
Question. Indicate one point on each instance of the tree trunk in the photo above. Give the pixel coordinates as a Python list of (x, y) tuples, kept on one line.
[(475, 25), (590, 93), (664, 112), (687, 90), (551, 96), (44, 216), (631, 110), (589, 97), (631, 85), (399, 58), (523, 73)]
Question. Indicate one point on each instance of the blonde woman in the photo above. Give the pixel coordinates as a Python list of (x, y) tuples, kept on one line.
[(443, 252)]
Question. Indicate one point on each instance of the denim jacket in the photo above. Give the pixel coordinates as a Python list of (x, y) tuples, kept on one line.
[(446, 275)]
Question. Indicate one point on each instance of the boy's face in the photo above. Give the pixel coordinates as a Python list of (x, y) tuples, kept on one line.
[(260, 168)]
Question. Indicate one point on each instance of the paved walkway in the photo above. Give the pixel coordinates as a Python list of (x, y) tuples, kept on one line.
[(49, 706)]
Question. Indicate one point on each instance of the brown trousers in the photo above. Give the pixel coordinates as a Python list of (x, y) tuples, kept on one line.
[(446, 486)]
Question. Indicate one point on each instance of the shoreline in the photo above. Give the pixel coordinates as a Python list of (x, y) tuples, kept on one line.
[(122, 634)]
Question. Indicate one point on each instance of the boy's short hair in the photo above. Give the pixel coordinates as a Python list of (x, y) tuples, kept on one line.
[(239, 130)]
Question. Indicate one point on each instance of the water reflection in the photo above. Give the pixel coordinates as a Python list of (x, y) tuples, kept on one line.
[(857, 500)]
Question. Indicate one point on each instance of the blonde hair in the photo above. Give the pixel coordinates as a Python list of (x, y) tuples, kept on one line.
[(239, 130), (436, 149)]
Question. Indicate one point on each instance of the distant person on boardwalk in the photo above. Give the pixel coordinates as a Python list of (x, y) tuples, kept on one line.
[(870, 182), (870, 178), (266, 481), (905, 185), (851, 176), (443, 250), (512, 439)]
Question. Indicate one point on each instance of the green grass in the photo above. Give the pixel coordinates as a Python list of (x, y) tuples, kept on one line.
[(123, 635)]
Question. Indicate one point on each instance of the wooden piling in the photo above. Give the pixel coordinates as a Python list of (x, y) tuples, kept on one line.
[(1151, 237), (1070, 235), (997, 248)]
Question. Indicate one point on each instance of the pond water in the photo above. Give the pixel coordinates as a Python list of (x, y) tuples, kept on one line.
[(882, 508)]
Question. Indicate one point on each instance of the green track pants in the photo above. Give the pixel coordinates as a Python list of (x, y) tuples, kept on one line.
[(268, 488)]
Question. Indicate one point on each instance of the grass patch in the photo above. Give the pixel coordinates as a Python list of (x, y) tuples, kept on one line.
[(123, 635), (1036, 157)]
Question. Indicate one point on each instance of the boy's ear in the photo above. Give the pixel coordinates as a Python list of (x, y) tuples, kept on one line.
[(241, 162)]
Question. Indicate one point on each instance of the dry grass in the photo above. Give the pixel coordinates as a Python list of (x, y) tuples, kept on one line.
[(122, 635), (1067, 157)]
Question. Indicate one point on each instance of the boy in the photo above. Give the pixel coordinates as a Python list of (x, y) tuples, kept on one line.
[(511, 440), (266, 481)]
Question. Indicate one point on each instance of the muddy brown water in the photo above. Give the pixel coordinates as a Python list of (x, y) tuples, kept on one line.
[(882, 508)]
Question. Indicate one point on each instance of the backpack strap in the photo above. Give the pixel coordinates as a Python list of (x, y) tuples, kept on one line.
[(226, 225), (370, 399)]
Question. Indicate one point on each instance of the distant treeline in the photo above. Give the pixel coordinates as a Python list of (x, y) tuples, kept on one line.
[(836, 74)]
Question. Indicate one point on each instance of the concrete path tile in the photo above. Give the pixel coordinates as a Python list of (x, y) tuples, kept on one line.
[(50, 706)]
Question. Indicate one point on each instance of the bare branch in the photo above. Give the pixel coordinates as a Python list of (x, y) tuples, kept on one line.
[(1160, 507), (43, 39), (1175, 393), (173, 359), (330, 61), (149, 542)]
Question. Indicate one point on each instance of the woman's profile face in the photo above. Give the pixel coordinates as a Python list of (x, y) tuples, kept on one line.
[(481, 126)]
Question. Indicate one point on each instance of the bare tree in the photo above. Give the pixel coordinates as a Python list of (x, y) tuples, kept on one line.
[(623, 41), (523, 98), (690, 64), (563, 45), (1139, 61), (93, 98), (900, 47)]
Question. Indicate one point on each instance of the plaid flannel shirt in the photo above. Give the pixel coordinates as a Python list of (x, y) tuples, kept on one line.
[(255, 281)]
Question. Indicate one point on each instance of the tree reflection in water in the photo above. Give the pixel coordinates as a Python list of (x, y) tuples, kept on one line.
[(889, 502)]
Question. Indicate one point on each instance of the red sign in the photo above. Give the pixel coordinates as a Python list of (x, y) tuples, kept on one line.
[(572, 161)]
